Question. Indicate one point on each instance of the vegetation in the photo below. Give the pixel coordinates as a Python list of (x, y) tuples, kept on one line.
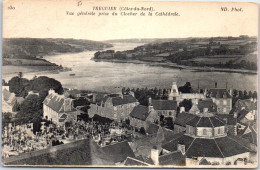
[(21, 86), (31, 109), (187, 104), (220, 52)]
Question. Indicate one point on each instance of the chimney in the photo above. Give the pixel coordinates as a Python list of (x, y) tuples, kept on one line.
[(216, 85), (182, 109), (150, 101), (231, 92), (205, 110), (205, 92), (51, 91), (155, 155), (181, 148)]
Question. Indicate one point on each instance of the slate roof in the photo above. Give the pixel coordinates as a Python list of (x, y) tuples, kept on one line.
[(249, 133), (120, 101), (56, 102), (201, 147), (218, 93), (140, 112), (10, 98), (164, 104), (212, 107), (174, 158), (228, 118), (134, 162), (72, 92), (152, 129), (205, 122), (183, 118), (247, 103), (63, 118), (118, 152), (242, 114)]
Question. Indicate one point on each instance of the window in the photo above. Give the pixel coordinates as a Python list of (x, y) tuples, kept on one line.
[(219, 131), (224, 102), (170, 113), (204, 132), (224, 110)]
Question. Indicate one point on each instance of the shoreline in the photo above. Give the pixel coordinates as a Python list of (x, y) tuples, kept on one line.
[(176, 66)]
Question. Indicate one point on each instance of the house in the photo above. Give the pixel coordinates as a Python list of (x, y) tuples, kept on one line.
[(231, 123), (135, 162), (249, 134), (181, 121), (245, 111), (73, 93), (138, 117), (178, 96), (10, 103), (59, 109), (203, 105), (206, 138), (246, 104), (222, 98), (116, 107), (118, 152), (167, 108)]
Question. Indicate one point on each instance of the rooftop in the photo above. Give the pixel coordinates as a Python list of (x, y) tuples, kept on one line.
[(164, 104), (140, 112), (205, 122), (218, 93), (118, 152), (200, 147)]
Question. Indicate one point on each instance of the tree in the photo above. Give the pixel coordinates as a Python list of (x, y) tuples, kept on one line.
[(43, 84), (255, 95), (142, 130), (81, 102), (30, 110), (6, 118), (127, 121), (169, 123), (187, 104), (186, 88), (19, 86)]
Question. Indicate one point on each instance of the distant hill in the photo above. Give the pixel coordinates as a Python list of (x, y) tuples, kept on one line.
[(220, 52), (35, 47), (144, 40)]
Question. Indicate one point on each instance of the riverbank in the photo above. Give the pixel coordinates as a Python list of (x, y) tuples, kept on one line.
[(176, 66)]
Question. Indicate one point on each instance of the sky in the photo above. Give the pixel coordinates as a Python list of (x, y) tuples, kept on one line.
[(49, 19)]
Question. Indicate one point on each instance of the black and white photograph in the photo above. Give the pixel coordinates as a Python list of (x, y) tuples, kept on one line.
[(129, 84)]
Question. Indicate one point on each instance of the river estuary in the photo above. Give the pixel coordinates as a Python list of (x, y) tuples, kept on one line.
[(104, 76)]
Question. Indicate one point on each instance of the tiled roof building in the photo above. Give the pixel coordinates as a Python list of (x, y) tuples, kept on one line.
[(10, 103), (58, 108), (206, 138), (116, 107), (222, 98)]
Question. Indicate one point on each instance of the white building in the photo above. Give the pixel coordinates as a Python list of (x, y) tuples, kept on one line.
[(178, 96), (59, 109)]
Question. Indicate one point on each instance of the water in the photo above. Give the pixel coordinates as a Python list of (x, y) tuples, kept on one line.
[(104, 76)]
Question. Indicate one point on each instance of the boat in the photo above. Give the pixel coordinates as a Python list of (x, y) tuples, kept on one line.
[(72, 74)]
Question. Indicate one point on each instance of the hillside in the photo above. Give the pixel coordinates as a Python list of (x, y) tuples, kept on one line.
[(219, 52), (35, 47)]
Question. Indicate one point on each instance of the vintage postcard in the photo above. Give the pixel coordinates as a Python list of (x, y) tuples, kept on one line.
[(156, 84)]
